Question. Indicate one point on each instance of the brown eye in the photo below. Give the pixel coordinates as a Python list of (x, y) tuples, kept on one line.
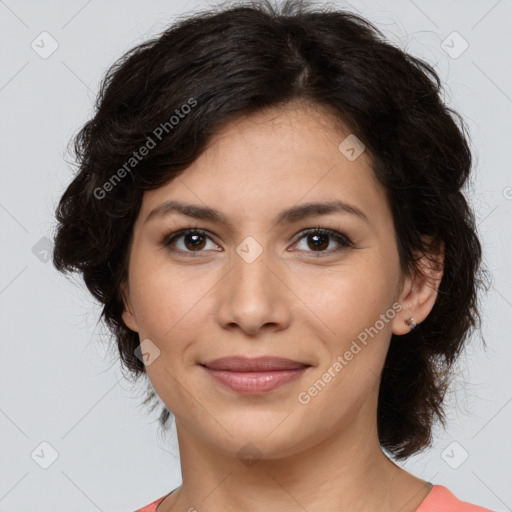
[(318, 240), (192, 241)]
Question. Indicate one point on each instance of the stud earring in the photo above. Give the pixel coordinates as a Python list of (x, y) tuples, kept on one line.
[(411, 323)]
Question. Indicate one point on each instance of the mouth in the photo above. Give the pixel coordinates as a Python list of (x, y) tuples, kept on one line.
[(254, 375)]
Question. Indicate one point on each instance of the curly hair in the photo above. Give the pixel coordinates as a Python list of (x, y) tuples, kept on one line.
[(171, 94)]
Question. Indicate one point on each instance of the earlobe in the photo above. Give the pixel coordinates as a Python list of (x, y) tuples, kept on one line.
[(127, 315), (419, 292)]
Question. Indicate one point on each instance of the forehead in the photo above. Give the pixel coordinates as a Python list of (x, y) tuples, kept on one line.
[(258, 164)]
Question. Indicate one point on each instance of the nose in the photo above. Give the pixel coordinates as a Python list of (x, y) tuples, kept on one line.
[(254, 296)]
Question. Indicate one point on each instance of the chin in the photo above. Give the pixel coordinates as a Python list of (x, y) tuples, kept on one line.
[(264, 438)]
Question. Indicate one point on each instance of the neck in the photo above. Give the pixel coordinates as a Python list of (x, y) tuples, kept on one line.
[(345, 471)]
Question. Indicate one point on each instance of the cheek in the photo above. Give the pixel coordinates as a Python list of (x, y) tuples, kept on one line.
[(350, 298), (168, 307), (168, 302)]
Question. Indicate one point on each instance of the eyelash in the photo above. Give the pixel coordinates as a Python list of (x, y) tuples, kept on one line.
[(343, 240)]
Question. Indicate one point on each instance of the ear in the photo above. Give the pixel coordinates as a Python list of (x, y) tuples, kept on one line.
[(127, 315), (419, 292)]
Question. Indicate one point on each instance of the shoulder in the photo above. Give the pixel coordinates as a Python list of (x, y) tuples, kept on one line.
[(152, 506), (440, 498)]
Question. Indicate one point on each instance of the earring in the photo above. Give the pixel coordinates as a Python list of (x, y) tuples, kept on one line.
[(411, 323)]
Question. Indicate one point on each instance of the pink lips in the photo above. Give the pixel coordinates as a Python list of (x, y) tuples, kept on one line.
[(254, 375)]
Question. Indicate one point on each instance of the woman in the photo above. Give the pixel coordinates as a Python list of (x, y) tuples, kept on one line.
[(269, 206)]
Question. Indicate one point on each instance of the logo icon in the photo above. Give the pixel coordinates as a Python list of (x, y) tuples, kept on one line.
[(454, 45), (249, 454), (351, 147), (454, 455), (44, 455), (44, 45), (42, 250), (249, 249), (147, 352)]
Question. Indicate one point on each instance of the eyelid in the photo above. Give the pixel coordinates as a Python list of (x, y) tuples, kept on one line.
[(342, 239), (169, 238)]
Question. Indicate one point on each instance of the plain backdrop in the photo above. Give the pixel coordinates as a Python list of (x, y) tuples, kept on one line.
[(71, 429)]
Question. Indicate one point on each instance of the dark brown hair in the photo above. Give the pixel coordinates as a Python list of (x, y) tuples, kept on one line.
[(234, 61)]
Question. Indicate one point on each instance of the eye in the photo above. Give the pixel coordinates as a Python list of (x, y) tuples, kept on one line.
[(318, 239), (195, 240)]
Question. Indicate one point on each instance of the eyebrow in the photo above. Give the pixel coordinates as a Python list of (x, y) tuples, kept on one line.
[(293, 214)]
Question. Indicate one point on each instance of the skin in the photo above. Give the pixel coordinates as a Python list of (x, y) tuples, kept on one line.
[(295, 301)]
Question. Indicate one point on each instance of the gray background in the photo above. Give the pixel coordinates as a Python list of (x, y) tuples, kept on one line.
[(60, 382)]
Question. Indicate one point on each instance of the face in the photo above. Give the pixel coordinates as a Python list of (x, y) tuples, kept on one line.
[(256, 284)]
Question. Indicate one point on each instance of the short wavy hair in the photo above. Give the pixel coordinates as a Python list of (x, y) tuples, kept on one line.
[(239, 59)]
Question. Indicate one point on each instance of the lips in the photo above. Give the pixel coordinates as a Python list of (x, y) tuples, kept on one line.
[(258, 364), (254, 375)]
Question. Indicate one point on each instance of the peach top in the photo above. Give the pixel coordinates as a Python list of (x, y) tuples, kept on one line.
[(440, 499)]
